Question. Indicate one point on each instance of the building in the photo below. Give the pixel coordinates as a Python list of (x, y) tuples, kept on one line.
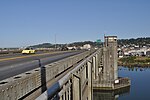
[(87, 46)]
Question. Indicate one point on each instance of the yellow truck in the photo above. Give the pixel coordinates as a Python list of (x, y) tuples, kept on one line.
[(28, 50)]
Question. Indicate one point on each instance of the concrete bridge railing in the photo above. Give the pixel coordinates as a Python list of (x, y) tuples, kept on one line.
[(22, 85), (77, 84)]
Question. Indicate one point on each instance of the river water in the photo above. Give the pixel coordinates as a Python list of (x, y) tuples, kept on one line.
[(139, 89)]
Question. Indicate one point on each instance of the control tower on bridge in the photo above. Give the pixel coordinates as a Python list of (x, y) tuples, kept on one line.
[(108, 70)]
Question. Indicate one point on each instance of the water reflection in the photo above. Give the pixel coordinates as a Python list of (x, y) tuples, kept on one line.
[(110, 95), (140, 83), (139, 89)]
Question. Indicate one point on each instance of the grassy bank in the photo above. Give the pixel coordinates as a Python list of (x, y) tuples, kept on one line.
[(134, 61)]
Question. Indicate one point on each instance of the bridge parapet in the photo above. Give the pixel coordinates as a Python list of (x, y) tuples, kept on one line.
[(75, 85), (22, 85)]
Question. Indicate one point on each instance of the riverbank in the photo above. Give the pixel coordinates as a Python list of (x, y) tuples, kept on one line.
[(134, 61)]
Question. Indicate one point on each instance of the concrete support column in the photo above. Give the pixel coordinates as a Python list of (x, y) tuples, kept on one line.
[(69, 92), (60, 98), (100, 56), (76, 88), (90, 89), (94, 68), (64, 97), (64, 90), (83, 77), (97, 65)]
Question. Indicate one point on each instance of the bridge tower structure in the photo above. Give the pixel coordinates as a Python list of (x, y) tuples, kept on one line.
[(110, 68)]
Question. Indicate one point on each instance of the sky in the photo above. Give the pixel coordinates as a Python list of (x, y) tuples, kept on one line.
[(30, 22)]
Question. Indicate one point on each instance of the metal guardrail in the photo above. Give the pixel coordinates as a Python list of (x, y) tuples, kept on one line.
[(21, 85)]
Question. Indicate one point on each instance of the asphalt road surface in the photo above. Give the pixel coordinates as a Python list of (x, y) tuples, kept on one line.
[(14, 64)]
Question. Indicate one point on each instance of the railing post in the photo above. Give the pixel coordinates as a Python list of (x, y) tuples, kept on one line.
[(97, 65), (67, 94), (76, 87), (89, 81), (69, 91), (94, 68), (61, 98), (64, 88)]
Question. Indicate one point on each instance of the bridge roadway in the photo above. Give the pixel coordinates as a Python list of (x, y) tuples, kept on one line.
[(14, 64)]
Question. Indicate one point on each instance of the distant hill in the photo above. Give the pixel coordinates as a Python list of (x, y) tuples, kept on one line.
[(44, 45), (82, 43), (138, 41), (49, 45)]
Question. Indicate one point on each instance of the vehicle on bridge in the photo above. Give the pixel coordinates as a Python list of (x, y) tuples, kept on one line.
[(28, 50)]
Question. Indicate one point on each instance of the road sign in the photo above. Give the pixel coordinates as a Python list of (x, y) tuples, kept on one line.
[(98, 41)]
